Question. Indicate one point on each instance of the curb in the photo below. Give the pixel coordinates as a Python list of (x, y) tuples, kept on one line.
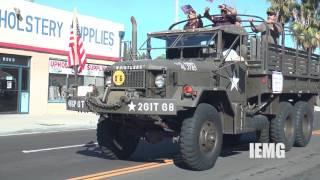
[(45, 131)]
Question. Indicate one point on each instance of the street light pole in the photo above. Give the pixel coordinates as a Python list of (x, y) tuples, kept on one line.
[(177, 11)]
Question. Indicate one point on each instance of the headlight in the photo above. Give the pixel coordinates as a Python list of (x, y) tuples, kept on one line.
[(160, 81), (108, 80)]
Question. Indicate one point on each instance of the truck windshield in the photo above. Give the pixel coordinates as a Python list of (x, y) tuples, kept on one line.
[(187, 45)]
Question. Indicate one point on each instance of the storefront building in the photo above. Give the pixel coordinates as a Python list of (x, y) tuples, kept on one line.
[(33, 56)]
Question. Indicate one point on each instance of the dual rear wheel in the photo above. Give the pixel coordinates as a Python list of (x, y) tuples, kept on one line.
[(304, 123), (292, 125)]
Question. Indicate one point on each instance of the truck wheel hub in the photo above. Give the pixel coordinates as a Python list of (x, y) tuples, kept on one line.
[(207, 137)]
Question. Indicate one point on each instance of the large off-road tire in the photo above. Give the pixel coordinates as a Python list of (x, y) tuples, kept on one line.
[(114, 140), (303, 122), (201, 138), (263, 135), (283, 126)]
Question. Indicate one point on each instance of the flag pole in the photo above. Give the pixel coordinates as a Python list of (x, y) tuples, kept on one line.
[(76, 66)]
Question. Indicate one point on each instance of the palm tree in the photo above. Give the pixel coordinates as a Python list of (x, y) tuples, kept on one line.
[(304, 19), (283, 8), (306, 25)]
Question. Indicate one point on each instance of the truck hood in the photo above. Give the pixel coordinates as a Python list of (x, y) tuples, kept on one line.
[(178, 65)]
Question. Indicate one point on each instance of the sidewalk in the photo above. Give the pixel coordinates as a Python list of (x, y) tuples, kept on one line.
[(24, 124)]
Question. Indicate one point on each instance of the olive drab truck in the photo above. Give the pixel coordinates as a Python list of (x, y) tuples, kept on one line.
[(209, 82)]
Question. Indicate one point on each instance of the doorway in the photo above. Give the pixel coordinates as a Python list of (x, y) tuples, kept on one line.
[(14, 87), (9, 91)]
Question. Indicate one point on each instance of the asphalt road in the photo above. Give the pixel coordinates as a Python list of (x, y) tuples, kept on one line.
[(74, 154)]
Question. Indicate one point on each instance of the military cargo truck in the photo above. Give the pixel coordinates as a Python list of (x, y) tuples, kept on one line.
[(211, 81)]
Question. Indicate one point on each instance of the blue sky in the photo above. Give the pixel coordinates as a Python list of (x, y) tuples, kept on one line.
[(151, 15)]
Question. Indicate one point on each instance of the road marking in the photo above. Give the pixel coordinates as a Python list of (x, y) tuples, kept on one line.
[(317, 132), (56, 148), (122, 171), (46, 132)]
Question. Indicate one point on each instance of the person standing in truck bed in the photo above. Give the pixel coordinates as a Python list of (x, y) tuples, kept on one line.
[(193, 21), (274, 27), (228, 16)]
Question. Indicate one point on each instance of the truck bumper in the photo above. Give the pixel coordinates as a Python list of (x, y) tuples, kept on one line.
[(77, 104), (140, 106)]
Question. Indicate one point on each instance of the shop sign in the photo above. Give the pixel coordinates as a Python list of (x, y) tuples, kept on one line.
[(47, 29), (93, 70), (61, 67)]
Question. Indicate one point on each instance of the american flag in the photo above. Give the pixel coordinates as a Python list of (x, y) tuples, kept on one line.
[(77, 54)]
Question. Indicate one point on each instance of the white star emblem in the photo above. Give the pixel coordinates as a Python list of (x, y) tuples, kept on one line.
[(234, 82), (132, 107)]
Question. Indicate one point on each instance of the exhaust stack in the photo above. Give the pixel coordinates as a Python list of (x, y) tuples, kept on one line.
[(134, 38)]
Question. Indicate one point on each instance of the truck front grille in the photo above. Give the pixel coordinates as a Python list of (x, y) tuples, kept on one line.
[(134, 79)]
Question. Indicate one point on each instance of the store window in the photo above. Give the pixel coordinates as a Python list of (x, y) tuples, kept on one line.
[(61, 78), (58, 84)]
